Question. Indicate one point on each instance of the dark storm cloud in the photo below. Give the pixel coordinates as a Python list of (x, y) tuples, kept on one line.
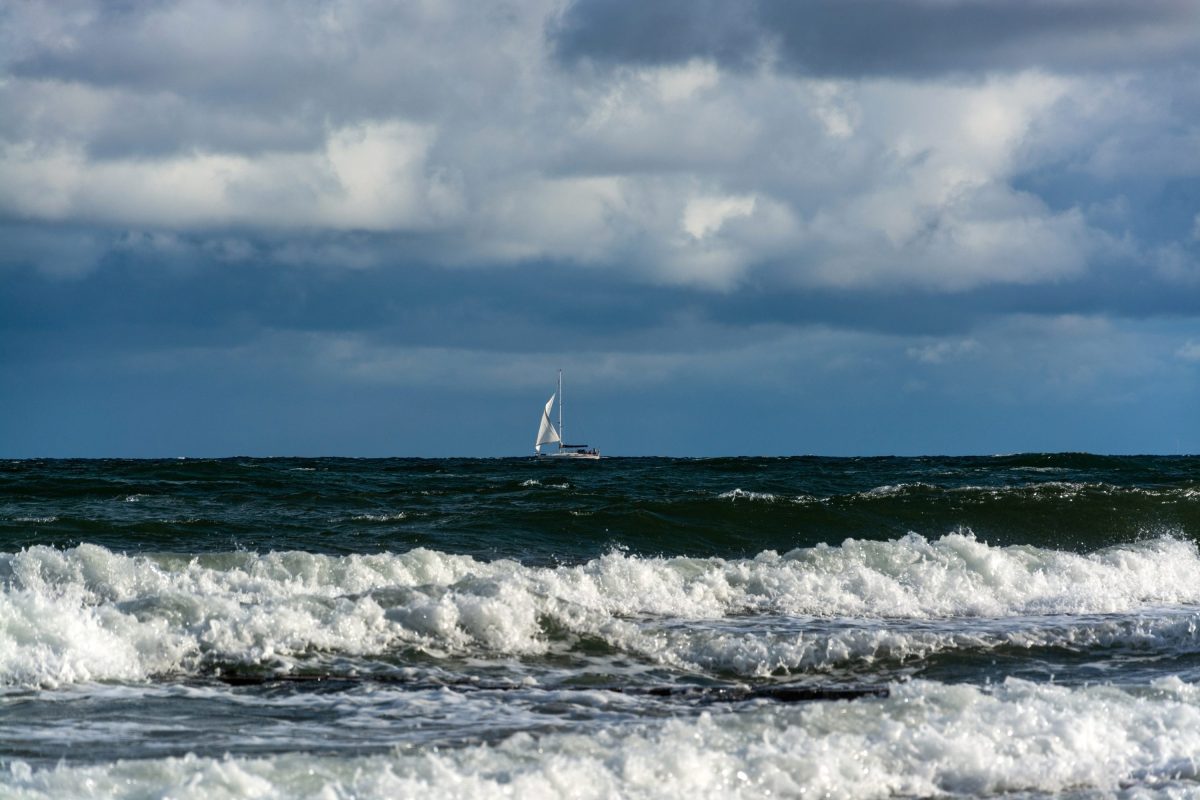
[(147, 297), (669, 31), (858, 38), (211, 345)]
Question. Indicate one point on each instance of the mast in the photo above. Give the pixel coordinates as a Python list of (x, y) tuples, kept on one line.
[(561, 436)]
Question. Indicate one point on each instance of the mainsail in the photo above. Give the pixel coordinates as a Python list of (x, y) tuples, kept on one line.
[(546, 432)]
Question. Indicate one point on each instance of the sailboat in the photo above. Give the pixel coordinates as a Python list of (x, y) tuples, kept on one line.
[(548, 434)]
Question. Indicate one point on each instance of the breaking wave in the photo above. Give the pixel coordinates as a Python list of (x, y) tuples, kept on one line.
[(926, 739), (87, 613)]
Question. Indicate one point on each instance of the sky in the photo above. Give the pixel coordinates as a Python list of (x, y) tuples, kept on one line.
[(772, 227)]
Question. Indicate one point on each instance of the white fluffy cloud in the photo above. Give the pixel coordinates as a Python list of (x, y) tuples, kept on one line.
[(372, 176), (442, 120)]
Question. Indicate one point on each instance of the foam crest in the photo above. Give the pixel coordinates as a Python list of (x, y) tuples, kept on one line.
[(536, 482), (927, 739), (90, 614), (806, 646), (957, 575), (744, 494), (896, 489)]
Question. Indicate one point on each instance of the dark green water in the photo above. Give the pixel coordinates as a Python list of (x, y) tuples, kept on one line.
[(538, 513), (629, 627)]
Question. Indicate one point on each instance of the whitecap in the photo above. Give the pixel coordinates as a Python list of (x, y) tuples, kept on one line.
[(892, 490), (87, 613), (926, 739), (742, 494)]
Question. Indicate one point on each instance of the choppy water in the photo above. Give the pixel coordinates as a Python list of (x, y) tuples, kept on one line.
[(330, 628)]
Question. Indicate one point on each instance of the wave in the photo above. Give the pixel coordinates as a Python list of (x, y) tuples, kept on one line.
[(535, 482), (395, 516), (731, 508), (807, 649), (1038, 490), (742, 494), (1014, 497), (925, 739), (87, 613)]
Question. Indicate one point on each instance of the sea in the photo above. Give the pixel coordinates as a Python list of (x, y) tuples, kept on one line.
[(1018, 626)]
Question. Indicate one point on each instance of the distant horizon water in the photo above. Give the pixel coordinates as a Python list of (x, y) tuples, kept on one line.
[(532, 455)]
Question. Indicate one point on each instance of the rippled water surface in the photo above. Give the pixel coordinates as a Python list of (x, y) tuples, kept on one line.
[(631, 627)]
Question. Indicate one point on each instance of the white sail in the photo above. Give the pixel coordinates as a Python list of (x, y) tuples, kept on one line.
[(546, 432)]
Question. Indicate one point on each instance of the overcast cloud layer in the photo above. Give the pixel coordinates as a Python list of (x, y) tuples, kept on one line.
[(867, 226)]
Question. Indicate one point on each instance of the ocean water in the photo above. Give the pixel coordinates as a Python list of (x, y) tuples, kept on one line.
[(1025, 626)]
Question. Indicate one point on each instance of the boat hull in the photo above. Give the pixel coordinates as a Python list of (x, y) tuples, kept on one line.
[(570, 456)]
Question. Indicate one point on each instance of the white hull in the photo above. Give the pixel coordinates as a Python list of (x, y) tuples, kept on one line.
[(584, 456)]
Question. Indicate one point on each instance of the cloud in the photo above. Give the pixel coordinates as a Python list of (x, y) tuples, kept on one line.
[(369, 177), (865, 38), (942, 351), (705, 154), (1189, 351), (1178, 264), (1024, 358), (703, 216), (54, 251)]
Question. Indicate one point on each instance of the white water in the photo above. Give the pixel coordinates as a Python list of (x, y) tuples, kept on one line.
[(89, 614), (925, 739)]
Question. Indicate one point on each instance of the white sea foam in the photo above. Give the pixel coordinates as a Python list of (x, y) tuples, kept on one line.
[(88, 614), (743, 494), (893, 490), (766, 497), (536, 482), (926, 739), (810, 646), (1040, 490), (393, 517)]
